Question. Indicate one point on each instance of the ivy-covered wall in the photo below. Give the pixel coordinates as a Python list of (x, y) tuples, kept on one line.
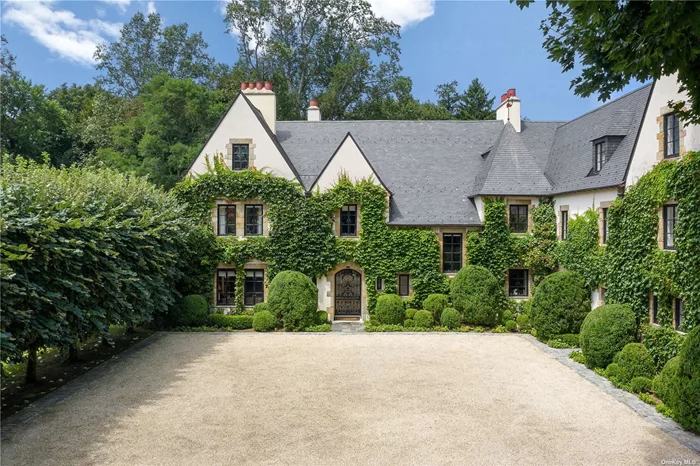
[(301, 232)]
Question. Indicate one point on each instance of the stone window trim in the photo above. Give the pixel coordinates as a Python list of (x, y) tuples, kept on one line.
[(661, 135), (224, 225), (523, 202), (250, 265), (336, 221), (603, 230), (228, 157), (240, 215), (225, 287)]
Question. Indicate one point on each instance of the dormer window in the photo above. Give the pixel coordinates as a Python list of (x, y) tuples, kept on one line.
[(599, 155), (240, 156), (672, 136)]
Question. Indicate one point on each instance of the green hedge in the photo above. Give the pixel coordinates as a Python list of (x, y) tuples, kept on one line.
[(662, 342), (263, 321), (664, 384), (477, 295), (687, 407), (293, 299), (389, 310), (559, 305), (190, 312), (605, 331), (236, 322)]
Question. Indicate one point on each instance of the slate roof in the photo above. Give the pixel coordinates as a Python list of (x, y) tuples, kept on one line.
[(434, 169)]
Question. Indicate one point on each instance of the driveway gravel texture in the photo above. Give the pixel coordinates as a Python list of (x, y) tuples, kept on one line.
[(324, 399)]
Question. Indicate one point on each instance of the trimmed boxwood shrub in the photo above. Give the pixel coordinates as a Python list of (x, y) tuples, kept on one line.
[(410, 312), (664, 384), (511, 325), (687, 382), (634, 361), (293, 299), (259, 307), (263, 321), (478, 295), (409, 323), (523, 321), (322, 317), (423, 319), (605, 331), (559, 305), (389, 309), (190, 312), (640, 385), (663, 343), (435, 303), (236, 322), (450, 318), (506, 316), (613, 371)]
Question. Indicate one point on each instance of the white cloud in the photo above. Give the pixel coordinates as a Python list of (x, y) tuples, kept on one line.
[(121, 4), (60, 31), (152, 8), (404, 12)]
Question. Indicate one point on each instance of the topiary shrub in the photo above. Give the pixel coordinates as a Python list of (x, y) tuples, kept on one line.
[(190, 312), (605, 331), (523, 322), (634, 361), (259, 307), (389, 309), (322, 317), (559, 305), (663, 343), (409, 323), (293, 299), (236, 322), (687, 383), (450, 318), (613, 371), (423, 319), (410, 312), (506, 316), (435, 303), (640, 385), (664, 384), (511, 325), (478, 295), (263, 321)]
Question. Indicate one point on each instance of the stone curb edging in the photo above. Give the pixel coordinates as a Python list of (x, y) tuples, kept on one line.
[(59, 395), (642, 409)]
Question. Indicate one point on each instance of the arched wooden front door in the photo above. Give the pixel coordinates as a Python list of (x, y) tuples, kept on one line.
[(348, 294)]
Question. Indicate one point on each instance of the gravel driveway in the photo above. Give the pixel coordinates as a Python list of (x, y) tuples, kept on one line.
[(321, 399)]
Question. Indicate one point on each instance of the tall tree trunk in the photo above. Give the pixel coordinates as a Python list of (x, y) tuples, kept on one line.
[(30, 375), (73, 353)]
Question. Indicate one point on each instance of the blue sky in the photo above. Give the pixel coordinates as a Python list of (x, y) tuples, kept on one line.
[(441, 41)]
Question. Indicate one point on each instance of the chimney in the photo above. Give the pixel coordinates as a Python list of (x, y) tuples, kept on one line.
[(509, 109), (313, 113), (263, 98)]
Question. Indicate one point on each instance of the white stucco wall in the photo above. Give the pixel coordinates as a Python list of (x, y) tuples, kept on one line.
[(579, 202), (324, 290), (241, 123), (347, 159), (645, 154)]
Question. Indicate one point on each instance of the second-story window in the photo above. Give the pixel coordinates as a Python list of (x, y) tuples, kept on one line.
[(518, 218), (227, 220), (240, 156), (672, 136), (404, 284), (670, 220), (599, 155), (678, 308), (451, 252), (564, 224), (348, 220), (605, 225), (253, 220)]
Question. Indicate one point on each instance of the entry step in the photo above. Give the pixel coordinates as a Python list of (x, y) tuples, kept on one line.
[(348, 326)]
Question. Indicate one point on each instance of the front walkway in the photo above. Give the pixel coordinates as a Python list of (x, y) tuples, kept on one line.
[(334, 398)]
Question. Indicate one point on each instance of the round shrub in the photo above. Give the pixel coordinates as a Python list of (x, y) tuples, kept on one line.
[(478, 295), (640, 385), (523, 321), (409, 323), (293, 299), (605, 331), (423, 319), (190, 312), (664, 384), (687, 408), (511, 325), (613, 371), (450, 318), (322, 317), (263, 321), (560, 304), (410, 312), (634, 361), (435, 303), (662, 342), (389, 309), (507, 315), (259, 307)]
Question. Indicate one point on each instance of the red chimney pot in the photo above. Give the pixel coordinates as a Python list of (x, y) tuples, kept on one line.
[(314, 103), (251, 85), (504, 97), (511, 92), (244, 86), (268, 85), (258, 85)]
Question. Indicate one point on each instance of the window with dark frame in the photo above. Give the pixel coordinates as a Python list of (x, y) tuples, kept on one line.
[(670, 215), (227, 220), (253, 288), (253, 220), (654, 310), (672, 135), (564, 224), (240, 156), (404, 288), (678, 309), (348, 220), (517, 282), (605, 225), (599, 155), (451, 252), (225, 287), (380, 283), (518, 218)]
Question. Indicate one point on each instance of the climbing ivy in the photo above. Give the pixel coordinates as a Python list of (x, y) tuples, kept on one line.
[(494, 247), (541, 255), (581, 252)]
